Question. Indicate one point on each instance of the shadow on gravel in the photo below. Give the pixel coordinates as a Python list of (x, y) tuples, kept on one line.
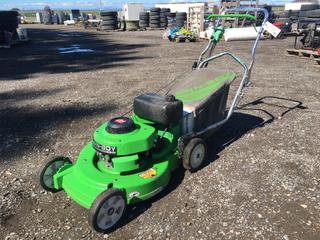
[(42, 54), (239, 124), (23, 128)]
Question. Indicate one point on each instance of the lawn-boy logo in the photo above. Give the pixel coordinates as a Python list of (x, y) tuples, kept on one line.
[(105, 149)]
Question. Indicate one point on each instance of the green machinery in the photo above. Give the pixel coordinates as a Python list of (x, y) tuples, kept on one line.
[(131, 159)]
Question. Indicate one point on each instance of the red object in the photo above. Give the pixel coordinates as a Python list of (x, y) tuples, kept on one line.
[(277, 24), (120, 120), (318, 50)]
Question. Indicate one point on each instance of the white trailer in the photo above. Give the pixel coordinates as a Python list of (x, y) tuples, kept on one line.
[(295, 5), (132, 11)]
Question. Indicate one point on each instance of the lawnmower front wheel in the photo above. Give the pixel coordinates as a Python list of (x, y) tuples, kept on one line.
[(49, 169), (107, 210), (194, 154)]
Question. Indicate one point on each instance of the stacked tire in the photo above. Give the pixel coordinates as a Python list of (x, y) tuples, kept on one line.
[(171, 17), (155, 17), (181, 18), (55, 18), (144, 19), (9, 21), (47, 17), (109, 21), (61, 17), (163, 17), (309, 14)]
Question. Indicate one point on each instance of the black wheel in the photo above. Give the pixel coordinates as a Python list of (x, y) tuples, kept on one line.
[(313, 13), (157, 18), (144, 17), (114, 14), (108, 27), (308, 7), (109, 18), (154, 22), (107, 210), (109, 22), (154, 25), (155, 10), (194, 155), (143, 25), (49, 169)]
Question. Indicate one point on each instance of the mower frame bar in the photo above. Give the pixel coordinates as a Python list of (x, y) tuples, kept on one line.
[(246, 70)]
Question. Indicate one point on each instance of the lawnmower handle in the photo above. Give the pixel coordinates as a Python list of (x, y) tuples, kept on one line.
[(262, 29), (235, 15)]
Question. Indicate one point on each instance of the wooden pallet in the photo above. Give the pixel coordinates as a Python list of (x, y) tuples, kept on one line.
[(306, 54)]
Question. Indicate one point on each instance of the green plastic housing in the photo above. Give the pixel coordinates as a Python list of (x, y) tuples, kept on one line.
[(89, 176)]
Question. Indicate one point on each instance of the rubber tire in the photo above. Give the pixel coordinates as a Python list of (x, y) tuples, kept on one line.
[(145, 17), (154, 25), (155, 10), (157, 18), (313, 14), (181, 14), (171, 15), (44, 168), (308, 7), (143, 25), (294, 13), (163, 25), (187, 152), (108, 18), (104, 14), (181, 18), (109, 22), (284, 14), (97, 204), (108, 28)]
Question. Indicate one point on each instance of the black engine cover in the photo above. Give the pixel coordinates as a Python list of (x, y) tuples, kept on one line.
[(164, 110)]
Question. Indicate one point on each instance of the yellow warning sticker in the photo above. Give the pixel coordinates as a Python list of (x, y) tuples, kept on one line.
[(150, 173)]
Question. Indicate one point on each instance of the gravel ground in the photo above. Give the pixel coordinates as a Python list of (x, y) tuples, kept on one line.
[(262, 181)]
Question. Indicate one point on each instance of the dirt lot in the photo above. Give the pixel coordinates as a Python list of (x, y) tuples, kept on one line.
[(263, 178)]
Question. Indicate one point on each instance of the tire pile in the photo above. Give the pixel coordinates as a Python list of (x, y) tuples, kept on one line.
[(171, 17), (9, 21), (303, 17), (47, 17), (181, 18), (109, 21), (61, 17), (309, 14), (144, 19), (164, 17), (155, 17)]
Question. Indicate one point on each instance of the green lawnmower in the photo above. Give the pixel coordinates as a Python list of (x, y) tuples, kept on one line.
[(132, 159)]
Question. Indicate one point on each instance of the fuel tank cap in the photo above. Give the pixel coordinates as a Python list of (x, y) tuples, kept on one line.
[(120, 125)]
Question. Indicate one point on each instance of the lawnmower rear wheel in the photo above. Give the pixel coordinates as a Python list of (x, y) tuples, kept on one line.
[(107, 210), (194, 154), (49, 169)]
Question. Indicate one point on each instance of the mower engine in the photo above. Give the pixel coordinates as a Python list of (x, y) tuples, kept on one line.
[(123, 145)]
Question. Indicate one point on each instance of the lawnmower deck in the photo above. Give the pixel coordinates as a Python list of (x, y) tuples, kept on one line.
[(86, 179)]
